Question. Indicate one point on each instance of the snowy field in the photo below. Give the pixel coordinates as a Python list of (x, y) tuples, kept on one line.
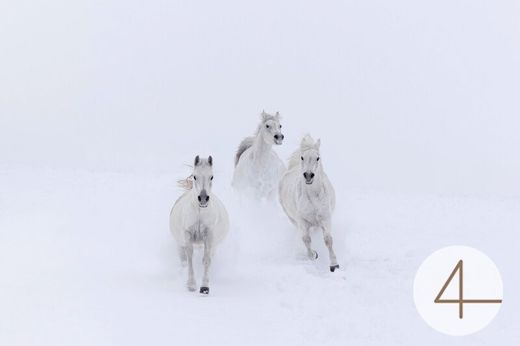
[(103, 103), (86, 259)]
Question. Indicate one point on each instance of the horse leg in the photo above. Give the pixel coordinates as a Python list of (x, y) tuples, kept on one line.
[(189, 254), (327, 237), (206, 260), (306, 229), (182, 255)]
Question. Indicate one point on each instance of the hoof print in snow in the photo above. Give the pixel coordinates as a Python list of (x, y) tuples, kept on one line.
[(334, 267), (204, 290)]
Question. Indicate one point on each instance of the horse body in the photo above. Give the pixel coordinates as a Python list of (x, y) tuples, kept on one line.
[(198, 217), (258, 168), (187, 215), (308, 197)]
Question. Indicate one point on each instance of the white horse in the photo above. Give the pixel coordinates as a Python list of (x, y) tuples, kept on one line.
[(198, 217), (258, 168), (307, 196)]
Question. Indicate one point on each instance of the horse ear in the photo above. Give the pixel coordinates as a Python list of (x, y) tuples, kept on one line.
[(197, 160), (317, 144), (264, 115), (210, 160), (277, 115)]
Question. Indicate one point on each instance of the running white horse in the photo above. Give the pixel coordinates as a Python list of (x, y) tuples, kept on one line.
[(258, 168), (307, 196), (198, 217)]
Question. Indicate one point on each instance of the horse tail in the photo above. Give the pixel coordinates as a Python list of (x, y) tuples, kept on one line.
[(244, 145), (186, 184)]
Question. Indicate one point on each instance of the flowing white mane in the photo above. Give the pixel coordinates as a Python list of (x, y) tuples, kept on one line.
[(307, 143), (186, 183)]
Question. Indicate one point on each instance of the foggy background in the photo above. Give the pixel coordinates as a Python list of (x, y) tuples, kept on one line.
[(408, 95)]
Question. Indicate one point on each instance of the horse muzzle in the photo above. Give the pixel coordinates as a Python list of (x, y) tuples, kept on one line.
[(309, 177), (203, 199), (278, 139)]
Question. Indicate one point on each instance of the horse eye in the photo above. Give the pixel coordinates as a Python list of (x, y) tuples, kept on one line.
[(280, 126), (266, 126), (318, 158), (211, 178), (301, 157), (194, 178)]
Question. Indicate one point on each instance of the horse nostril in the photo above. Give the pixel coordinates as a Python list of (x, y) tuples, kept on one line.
[(276, 137), (200, 199), (207, 199), (312, 175), (305, 175), (283, 136)]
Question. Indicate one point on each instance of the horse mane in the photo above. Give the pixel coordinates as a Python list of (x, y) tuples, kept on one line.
[(186, 183), (306, 144), (244, 145)]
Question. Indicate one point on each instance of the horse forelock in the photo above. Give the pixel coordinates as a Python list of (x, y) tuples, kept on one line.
[(265, 118), (307, 143), (203, 163)]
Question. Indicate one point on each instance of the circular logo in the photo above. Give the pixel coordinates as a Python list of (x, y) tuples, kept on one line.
[(458, 290)]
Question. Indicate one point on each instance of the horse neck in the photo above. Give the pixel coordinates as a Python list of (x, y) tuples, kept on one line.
[(260, 148)]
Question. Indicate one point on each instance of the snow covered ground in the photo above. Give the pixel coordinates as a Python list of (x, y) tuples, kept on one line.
[(86, 258)]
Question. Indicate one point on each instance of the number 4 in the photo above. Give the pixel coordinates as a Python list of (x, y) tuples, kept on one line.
[(461, 301)]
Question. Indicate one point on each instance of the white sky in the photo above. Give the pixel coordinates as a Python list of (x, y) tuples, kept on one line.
[(406, 95)]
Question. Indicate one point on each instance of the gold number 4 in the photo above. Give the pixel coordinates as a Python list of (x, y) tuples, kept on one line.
[(461, 301)]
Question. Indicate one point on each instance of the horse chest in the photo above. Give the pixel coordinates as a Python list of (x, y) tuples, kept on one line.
[(314, 207), (263, 166), (264, 171), (199, 225)]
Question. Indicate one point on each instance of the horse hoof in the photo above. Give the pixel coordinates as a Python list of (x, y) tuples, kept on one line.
[(334, 267), (204, 290), (313, 255), (191, 286)]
